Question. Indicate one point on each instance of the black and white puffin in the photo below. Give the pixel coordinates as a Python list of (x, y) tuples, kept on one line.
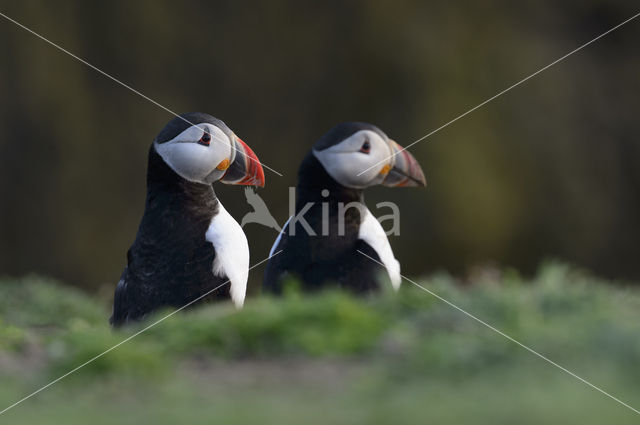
[(187, 243), (320, 244)]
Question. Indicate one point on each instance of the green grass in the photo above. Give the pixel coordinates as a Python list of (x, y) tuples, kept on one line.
[(332, 358)]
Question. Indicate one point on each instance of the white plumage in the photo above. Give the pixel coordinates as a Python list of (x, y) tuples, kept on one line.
[(232, 253), (372, 233)]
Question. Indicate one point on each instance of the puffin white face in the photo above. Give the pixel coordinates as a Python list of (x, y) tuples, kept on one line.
[(360, 151), (201, 153)]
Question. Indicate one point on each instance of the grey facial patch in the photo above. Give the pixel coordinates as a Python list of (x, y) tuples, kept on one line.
[(341, 131), (184, 121)]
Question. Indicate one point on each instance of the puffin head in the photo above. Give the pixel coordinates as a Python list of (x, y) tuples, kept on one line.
[(358, 155), (202, 149)]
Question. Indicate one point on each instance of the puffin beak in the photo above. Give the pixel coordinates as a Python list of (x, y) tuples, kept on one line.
[(405, 171), (245, 169)]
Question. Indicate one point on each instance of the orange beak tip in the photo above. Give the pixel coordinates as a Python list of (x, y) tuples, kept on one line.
[(255, 173), (260, 178)]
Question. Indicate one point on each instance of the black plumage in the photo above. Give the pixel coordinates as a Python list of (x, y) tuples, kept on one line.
[(329, 238), (341, 131), (184, 121), (169, 263), (321, 260), (187, 244)]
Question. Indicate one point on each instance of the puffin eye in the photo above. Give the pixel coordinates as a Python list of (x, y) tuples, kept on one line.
[(366, 147), (205, 139)]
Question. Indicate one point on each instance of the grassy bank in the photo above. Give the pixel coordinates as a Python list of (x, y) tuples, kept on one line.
[(401, 358)]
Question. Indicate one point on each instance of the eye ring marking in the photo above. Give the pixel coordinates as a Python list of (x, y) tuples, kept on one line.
[(205, 140), (366, 147)]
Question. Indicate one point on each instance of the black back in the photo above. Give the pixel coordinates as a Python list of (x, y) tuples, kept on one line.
[(323, 260), (170, 261)]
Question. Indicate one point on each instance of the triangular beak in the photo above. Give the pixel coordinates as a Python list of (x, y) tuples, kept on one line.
[(405, 172), (245, 168)]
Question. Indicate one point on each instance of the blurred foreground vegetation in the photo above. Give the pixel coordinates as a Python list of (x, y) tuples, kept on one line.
[(392, 358)]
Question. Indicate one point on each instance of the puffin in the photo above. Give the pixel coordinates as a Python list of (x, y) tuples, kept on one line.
[(187, 243), (322, 245)]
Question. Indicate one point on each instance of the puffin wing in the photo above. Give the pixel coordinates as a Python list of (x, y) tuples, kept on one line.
[(276, 267), (121, 302), (276, 245), (372, 233)]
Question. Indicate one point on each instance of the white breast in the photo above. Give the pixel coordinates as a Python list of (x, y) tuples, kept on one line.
[(232, 253), (372, 233)]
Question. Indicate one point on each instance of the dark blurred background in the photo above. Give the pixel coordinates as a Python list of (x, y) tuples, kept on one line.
[(549, 170)]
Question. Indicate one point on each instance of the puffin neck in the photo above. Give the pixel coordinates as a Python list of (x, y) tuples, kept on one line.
[(162, 179), (313, 179)]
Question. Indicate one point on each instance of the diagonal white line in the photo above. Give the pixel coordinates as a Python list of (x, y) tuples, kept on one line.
[(503, 92), (109, 76), (129, 338), (531, 350)]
